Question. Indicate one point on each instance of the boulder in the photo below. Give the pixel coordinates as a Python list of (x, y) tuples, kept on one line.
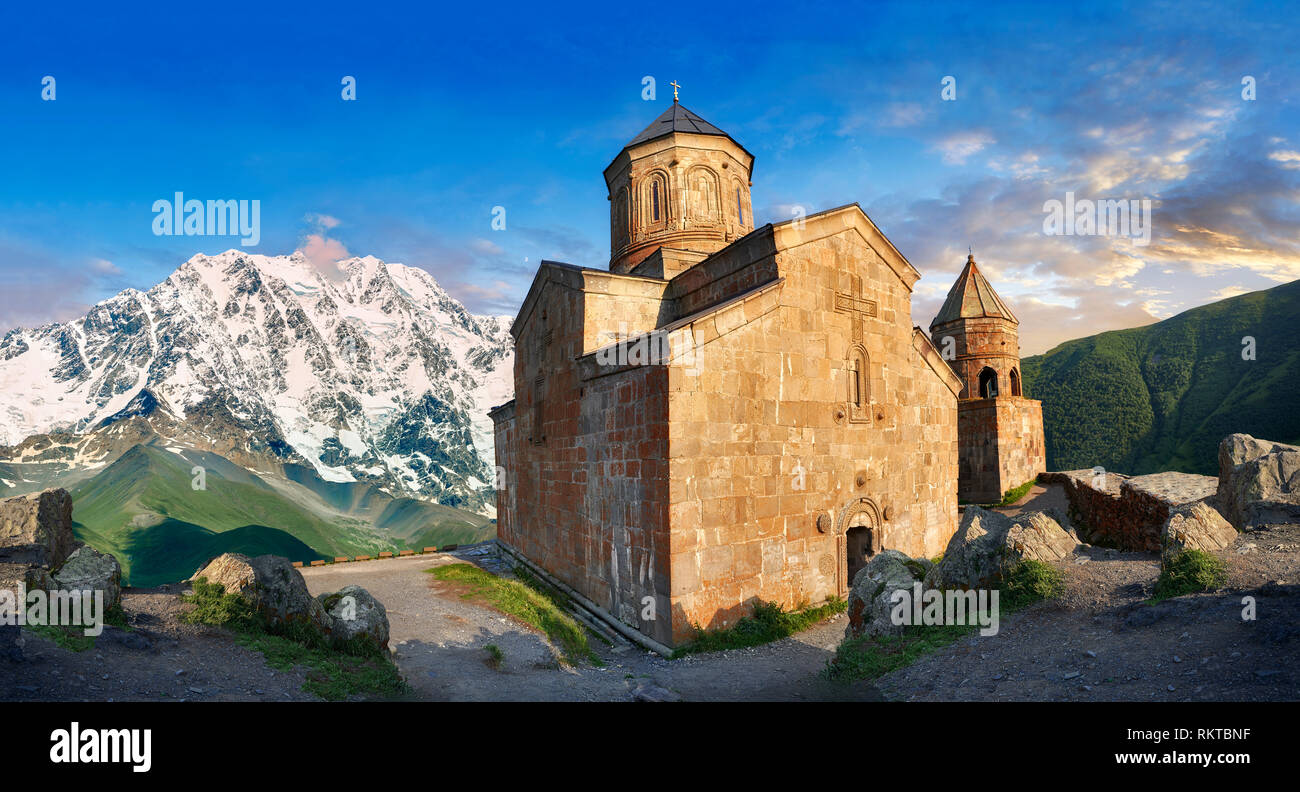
[(354, 613), (275, 589), (1197, 526), (1041, 536), (89, 569), (36, 529), (1259, 481), (873, 587), (989, 545)]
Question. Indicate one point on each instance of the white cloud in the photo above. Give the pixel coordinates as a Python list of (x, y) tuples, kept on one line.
[(957, 148)]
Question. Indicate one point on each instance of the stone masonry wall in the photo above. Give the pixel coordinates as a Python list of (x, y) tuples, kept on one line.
[(1128, 512), (585, 493), (1000, 446), (765, 398)]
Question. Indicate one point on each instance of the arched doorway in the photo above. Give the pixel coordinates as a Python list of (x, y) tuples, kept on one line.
[(857, 543), (860, 538)]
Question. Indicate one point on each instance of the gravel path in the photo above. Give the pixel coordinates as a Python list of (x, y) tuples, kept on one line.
[(439, 638)]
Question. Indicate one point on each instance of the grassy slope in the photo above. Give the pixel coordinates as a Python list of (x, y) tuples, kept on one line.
[(1161, 397), (144, 510)]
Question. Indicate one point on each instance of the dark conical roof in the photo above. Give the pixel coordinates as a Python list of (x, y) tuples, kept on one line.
[(676, 119), (972, 297)]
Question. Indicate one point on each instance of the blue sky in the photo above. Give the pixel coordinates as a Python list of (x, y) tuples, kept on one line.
[(460, 109)]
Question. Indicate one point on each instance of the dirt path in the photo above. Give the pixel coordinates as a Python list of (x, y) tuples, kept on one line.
[(439, 638)]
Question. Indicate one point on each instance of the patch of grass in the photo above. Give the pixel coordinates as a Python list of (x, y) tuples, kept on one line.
[(495, 656), (213, 606), (768, 622), (1030, 582), (333, 674), (870, 657), (337, 670), (561, 600), (116, 616), (1012, 495), (73, 639), (533, 607), (1187, 573)]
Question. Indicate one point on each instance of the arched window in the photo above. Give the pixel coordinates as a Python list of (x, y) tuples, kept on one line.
[(1015, 382), (654, 201), (988, 383), (621, 219), (740, 208), (859, 396)]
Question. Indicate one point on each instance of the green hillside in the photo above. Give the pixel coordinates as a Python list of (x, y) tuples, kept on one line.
[(1161, 397), (173, 550), (144, 509)]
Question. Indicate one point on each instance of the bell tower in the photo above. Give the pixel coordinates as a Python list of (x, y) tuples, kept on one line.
[(678, 192), (984, 348), (1000, 443)]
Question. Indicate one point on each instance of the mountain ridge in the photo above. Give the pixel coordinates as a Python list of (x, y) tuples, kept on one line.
[(1162, 396), (365, 371)]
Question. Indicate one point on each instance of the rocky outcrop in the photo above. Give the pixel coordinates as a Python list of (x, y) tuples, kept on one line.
[(36, 529), (271, 584), (989, 545), (1127, 512), (38, 552), (87, 569), (354, 613), (870, 598), (1259, 481), (1195, 527)]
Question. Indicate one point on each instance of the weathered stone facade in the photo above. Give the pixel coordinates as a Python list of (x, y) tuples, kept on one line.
[(689, 436), (1000, 432)]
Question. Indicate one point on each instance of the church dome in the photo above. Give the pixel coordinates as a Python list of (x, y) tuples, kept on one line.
[(680, 187)]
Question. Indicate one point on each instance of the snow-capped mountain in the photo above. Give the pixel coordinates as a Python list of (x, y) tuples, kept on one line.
[(366, 371)]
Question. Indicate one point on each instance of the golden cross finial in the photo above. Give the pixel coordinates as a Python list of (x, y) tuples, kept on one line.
[(675, 87)]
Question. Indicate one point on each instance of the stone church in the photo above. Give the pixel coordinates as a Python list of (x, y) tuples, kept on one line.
[(728, 413)]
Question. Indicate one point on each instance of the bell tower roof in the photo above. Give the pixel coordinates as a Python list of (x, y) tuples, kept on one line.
[(676, 119), (972, 297)]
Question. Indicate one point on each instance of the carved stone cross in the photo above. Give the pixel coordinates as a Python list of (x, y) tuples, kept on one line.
[(858, 307)]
